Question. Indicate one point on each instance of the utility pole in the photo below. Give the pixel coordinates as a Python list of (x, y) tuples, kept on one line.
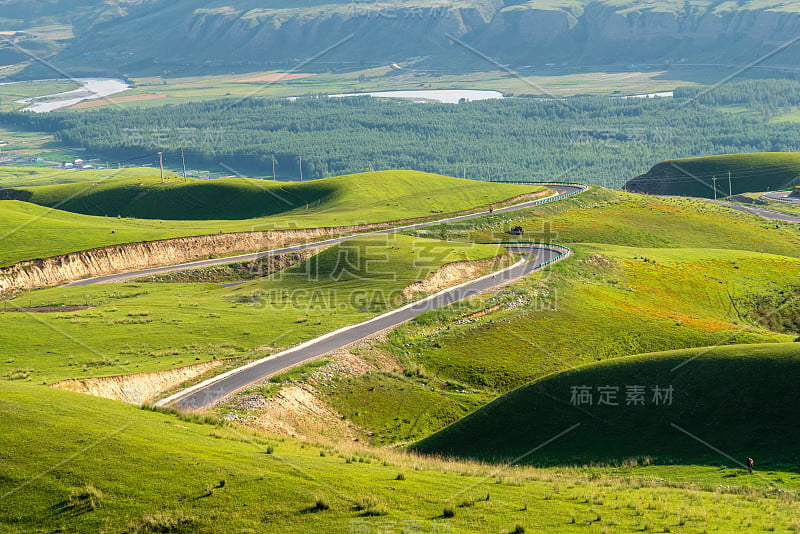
[(730, 189), (273, 168), (489, 172), (714, 178), (301, 168), (464, 172), (183, 162), (161, 164)]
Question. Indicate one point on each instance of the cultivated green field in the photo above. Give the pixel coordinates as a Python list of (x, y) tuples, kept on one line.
[(711, 405), (101, 465), (159, 91), (33, 231), (144, 327)]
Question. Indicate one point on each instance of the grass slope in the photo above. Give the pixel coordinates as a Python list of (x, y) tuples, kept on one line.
[(143, 327), (681, 283), (37, 176), (604, 303), (739, 399), (695, 176), (33, 231), (397, 194), (604, 216), (156, 473)]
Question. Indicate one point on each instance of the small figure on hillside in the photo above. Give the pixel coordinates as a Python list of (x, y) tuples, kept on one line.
[(491, 209), (749, 462)]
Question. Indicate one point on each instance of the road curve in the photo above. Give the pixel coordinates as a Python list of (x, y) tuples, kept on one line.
[(536, 256), (781, 196), (562, 190), (761, 212), (216, 388)]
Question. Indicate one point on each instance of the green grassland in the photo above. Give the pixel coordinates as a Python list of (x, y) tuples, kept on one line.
[(727, 403), (35, 231), (24, 176), (604, 303), (625, 219), (694, 274), (404, 193), (762, 171), (143, 327), (153, 472)]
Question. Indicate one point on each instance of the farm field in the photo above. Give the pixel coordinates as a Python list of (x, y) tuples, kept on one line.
[(526, 81), (158, 91)]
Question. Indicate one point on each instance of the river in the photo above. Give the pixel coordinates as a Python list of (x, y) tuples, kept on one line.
[(93, 88), (445, 96)]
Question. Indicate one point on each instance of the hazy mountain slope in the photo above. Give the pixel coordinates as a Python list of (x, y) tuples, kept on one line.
[(160, 35)]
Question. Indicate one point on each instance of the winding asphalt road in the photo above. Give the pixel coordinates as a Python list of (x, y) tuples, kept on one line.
[(781, 196), (761, 212), (213, 390), (562, 190), (210, 391)]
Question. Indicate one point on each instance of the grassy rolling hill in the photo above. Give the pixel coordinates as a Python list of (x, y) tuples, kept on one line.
[(36, 176), (34, 231), (605, 303), (145, 327), (648, 275), (659, 273), (102, 465), (727, 403), (604, 216), (695, 177), (399, 194)]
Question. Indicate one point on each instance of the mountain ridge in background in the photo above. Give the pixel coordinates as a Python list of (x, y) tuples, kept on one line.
[(138, 36)]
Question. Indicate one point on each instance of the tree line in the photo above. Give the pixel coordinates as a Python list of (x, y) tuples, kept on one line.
[(596, 139)]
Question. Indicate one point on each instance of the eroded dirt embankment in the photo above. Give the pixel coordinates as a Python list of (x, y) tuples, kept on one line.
[(296, 410), (137, 388), (455, 273), (127, 257)]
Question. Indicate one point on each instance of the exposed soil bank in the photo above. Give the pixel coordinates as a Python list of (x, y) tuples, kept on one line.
[(127, 257), (137, 388)]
